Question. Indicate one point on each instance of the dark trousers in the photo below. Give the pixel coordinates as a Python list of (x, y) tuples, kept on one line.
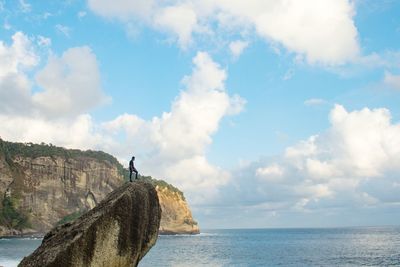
[(130, 176)]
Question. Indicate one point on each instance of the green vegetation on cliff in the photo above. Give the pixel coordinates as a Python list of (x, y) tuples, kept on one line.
[(70, 217), (12, 149), (163, 184), (11, 217)]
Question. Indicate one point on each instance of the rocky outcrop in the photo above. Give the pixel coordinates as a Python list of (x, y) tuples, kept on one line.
[(176, 215), (48, 184), (118, 232)]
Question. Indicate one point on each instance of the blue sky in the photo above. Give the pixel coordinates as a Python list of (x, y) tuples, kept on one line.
[(265, 113)]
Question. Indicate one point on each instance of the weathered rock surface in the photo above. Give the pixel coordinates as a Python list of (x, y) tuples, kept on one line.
[(176, 215), (118, 232), (48, 188)]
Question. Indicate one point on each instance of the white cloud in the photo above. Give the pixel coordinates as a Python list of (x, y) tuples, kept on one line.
[(319, 169), (71, 83), (43, 41), (25, 118), (25, 6), (19, 55), (65, 30), (314, 102), (176, 141), (180, 20), (273, 169), (70, 86), (271, 172), (359, 143), (123, 9), (237, 47), (320, 31), (392, 80), (171, 146), (78, 132), (15, 60), (310, 28), (351, 166)]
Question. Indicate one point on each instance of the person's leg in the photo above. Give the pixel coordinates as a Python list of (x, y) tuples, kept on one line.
[(136, 175), (130, 176)]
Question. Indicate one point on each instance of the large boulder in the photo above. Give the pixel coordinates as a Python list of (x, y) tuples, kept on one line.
[(119, 231)]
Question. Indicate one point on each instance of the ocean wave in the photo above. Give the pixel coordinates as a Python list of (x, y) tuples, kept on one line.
[(189, 235)]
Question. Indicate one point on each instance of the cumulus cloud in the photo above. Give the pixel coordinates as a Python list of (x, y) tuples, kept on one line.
[(273, 170), (352, 165), (15, 60), (320, 31), (180, 20), (19, 55), (66, 88), (71, 83), (77, 132), (171, 146), (176, 141)]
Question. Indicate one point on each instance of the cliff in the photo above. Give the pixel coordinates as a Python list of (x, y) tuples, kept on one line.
[(176, 216), (42, 185), (118, 232)]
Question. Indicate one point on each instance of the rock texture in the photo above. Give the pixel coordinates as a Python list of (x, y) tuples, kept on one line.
[(50, 188), (176, 215), (48, 184), (118, 232)]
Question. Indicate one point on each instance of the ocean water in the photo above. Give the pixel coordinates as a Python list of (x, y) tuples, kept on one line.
[(356, 246), (13, 250)]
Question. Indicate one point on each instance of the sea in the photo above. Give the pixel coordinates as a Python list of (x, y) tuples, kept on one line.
[(352, 246)]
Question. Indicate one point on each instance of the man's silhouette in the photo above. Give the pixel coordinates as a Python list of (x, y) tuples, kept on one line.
[(132, 169)]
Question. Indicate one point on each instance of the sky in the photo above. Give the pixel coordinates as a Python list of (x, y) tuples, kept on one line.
[(265, 113)]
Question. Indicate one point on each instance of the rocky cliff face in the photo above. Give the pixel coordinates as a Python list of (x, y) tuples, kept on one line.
[(116, 233), (176, 215), (50, 188), (41, 185)]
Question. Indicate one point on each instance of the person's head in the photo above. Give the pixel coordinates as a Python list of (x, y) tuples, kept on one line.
[(133, 157)]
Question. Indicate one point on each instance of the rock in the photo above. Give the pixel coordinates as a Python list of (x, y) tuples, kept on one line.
[(176, 215), (6, 232), (119, 231), (50, 188)]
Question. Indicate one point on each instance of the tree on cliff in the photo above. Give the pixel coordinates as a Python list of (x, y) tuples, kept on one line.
[(10, 217)]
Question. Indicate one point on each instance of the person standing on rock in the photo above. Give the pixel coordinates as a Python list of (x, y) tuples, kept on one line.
[(132, 169)]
